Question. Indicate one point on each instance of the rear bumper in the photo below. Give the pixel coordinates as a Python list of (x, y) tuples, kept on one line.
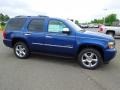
[(7, 42), (109, 54)]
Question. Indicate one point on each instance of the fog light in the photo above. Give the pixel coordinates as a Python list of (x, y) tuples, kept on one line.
[(111, 44)]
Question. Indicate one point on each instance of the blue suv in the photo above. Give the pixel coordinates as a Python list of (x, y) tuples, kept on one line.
[(43, 34)]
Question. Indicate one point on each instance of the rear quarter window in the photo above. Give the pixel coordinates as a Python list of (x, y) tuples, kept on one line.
[(15, 24)]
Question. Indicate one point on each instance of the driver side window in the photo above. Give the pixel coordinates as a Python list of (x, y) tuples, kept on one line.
[(56, 26)]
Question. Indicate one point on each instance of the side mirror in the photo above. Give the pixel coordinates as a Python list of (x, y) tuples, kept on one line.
[(66, 31)]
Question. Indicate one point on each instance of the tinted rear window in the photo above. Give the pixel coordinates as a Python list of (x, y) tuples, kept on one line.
[(15, 24), (36, 25)]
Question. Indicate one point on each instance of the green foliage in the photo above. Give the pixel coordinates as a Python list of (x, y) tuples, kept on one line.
[(77, 22), (3, 19), (108, 20), (2, 24), (6, 17), (98, 21)]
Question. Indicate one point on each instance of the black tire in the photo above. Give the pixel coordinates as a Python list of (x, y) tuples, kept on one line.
[(84, 61), (111, 33), (24, 49)]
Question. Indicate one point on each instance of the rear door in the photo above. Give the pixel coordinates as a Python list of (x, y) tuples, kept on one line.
[(36, 34)]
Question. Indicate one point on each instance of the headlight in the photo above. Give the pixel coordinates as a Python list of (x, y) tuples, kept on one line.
[(111, 44)]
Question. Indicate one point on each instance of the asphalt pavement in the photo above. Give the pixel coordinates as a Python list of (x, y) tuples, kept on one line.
[(52, 73)]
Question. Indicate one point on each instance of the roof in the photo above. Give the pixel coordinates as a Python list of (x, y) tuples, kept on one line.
[(40, 16)]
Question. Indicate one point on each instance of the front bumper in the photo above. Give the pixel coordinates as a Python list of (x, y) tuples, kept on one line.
[(109, 54)]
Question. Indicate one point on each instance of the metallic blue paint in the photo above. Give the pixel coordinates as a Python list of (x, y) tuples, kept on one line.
[(60, 43)]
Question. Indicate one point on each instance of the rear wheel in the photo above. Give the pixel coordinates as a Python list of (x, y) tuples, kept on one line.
[(89, 58), (21, 50)]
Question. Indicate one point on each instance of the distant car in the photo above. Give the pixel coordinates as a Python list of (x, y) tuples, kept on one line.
[(96, 25), (93, 25), (56, 36), (110, 30), (90, 25), (83, 25)]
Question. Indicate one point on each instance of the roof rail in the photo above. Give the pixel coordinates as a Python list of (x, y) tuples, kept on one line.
[(20, 16), (31, 16), (42, 16)]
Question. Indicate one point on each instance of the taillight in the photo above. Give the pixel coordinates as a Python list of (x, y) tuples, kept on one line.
[(4, 34)]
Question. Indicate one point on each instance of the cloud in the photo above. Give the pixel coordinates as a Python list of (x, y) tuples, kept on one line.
[(13, 4), (13, 7), (113, 5), (83, 10)]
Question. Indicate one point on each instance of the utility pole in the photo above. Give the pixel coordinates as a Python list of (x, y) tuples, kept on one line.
[(104, 16)]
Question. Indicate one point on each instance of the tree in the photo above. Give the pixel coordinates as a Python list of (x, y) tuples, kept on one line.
[(110, 19), (3, 19), (6, 18), (98, 21), (77, 22)]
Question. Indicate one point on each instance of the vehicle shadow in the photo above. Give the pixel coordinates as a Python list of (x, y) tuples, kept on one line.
[(55, 60), (69, 62)]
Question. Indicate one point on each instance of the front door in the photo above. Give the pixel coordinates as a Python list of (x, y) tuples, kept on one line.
[(57, 42)]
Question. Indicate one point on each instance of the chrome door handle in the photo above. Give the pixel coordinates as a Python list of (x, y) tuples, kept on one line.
[(27, 34), (48, 36)]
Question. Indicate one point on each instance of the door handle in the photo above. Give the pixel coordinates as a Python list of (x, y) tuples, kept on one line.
[(48, 36), (27, 34)]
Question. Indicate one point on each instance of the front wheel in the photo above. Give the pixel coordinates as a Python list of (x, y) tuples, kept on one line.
[(89, 58), (21, 50)]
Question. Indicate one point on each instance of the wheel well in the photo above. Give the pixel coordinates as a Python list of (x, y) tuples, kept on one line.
[(91, 46), (110, 31), (15, 40)]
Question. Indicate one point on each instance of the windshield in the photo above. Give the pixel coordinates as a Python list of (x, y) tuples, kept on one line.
[(73, 25)]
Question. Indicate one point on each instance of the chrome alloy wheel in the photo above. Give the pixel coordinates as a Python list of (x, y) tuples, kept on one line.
[(20, 51), (89, 59)]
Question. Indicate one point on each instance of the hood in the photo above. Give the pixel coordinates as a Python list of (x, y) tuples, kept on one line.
[(98, 35)]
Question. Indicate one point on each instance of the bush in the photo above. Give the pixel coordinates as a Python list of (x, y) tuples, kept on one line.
[(2, 26)]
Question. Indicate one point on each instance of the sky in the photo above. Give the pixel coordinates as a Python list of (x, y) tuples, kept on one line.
[(82, 10)]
